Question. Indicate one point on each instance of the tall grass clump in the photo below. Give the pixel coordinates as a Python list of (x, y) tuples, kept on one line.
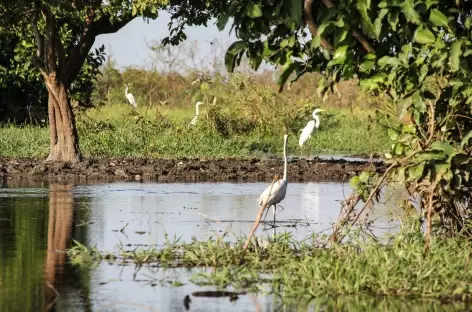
[(295, 268)]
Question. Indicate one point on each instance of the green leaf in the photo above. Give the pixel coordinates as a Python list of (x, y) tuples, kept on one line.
[(294, 10), (438, 18), (427, 156), (339, 56), (416, 172), (354, 182), (442, 170), (443, 146), (366, 66), (222, 21), (378, 22), (408, 9), (254, 10), (230, 56), (466, 139), (418, 102), (454, 55), (424, 36), (364, 177), (340, 35), (388, 60), (363, 6), (393, 19), (286, 73)]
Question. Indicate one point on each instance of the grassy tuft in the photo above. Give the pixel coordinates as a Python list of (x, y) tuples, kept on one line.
[(119, 131), (297, 268)]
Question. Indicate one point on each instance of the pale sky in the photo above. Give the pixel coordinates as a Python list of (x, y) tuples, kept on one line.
[(128, 45)]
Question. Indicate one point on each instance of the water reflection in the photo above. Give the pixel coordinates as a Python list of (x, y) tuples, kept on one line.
[(61, 212), (37, 221)]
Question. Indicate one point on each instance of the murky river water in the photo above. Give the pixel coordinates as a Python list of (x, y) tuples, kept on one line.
[(38, 219)]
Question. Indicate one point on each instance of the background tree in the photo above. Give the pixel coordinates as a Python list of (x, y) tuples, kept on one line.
[(63, 33), (417, 52)]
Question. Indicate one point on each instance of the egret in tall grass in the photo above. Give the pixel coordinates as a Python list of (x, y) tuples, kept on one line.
[(130, 97), (310, 127), (195, 119), (271, 196)]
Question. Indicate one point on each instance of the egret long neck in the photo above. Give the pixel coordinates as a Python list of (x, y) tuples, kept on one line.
[(317, 121), (285, 158), (196, 108), (126, 91)]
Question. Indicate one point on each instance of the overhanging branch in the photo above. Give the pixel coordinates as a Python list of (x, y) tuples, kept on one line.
[(356, 34), (308, 16), (92, 28)]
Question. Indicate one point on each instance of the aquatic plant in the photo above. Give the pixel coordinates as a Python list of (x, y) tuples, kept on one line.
[(294, 268)]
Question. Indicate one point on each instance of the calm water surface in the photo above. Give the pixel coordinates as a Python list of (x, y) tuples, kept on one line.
[(36, 220)]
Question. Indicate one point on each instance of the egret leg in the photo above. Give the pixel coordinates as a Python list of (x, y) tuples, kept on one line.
[(265, 216), (274, 209)]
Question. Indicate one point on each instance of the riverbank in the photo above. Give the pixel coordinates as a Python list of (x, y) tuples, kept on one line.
[(183, 170)]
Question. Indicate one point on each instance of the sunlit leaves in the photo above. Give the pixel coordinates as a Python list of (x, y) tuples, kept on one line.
[(408, 9), (438, 18), (454, 56), (339, 56), (424, 36), (254, 10)]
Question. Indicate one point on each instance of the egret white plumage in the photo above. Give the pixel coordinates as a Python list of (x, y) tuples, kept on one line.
[(130, 97), (310, 126), (195, 119), (271, 196), (275, 192)]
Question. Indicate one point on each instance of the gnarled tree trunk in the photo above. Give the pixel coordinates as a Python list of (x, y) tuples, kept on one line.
[(59, 67), (62, 129)]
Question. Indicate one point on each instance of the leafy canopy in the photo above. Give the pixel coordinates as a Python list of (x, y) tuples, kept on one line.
[(418, 52)]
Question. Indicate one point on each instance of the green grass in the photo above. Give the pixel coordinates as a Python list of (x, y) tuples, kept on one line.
[(119, 131), (298, 269)]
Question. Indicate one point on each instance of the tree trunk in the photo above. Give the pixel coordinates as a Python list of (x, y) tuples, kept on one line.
[(63, 133)]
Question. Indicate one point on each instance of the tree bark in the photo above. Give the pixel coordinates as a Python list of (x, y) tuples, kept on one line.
[(63, 132)]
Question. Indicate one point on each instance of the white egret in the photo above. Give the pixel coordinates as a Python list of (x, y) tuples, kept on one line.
[(310, 126), (271, 196), (275, 192), (130, 97), (194, 120)]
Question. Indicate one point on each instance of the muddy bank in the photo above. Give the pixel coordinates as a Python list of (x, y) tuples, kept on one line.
[(169, 170)]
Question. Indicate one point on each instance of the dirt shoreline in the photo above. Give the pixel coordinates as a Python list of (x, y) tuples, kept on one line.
[(182, 170)]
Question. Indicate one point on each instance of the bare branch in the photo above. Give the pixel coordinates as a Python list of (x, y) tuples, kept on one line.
[(308, 16), (356, 34)]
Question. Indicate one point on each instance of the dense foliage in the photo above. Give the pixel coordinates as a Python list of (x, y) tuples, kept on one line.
[(418, 52)]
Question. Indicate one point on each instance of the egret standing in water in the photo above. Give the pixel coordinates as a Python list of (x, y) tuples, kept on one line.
[(275, 192), (130, 97), (310, 126), (271, 196), (195, 119)]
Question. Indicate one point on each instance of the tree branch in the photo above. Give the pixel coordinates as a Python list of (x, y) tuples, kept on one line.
[(50, 44), (308, 17), (356, 34), (92, 28), (38, 58)]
